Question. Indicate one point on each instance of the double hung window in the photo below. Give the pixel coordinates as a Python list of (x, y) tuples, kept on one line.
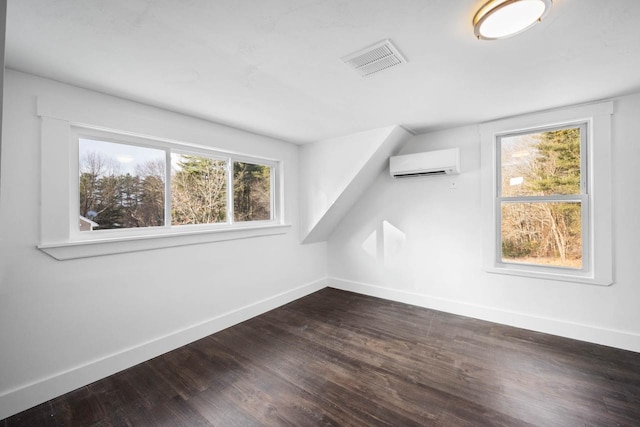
[(546, 195), (543, 202)]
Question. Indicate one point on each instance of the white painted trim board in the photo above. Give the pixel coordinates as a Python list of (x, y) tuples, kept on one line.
[(42, 390), (593, 334), (29, 395)]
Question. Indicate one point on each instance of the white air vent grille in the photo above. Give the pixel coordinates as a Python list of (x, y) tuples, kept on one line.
[(379, 57)]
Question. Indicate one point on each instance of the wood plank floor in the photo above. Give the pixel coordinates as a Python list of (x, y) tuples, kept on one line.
[(337, 358)]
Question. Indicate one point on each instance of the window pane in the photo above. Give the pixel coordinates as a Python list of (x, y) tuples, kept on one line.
[(121, 186), (198, 190), (542, 233), (251, 192), (541, 164)]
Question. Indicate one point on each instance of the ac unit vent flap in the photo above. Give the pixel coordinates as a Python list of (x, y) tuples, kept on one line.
[(429, 163)]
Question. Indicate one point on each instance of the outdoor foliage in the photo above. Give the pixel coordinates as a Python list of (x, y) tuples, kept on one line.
[(114, 199), (198, 191), (251, 192), (542, 232)]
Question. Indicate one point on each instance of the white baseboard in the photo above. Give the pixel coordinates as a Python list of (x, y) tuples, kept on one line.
[(35, 393), (609, 337), (27, 396)]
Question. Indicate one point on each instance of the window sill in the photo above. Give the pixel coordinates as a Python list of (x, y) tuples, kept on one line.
[(576, 278), (63, 251)]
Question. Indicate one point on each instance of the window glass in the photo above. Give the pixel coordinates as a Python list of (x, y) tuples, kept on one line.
[(542, 233), (121, 186), (541, 199), (541, 164), (251, 192), (125, 186), (198, 189)]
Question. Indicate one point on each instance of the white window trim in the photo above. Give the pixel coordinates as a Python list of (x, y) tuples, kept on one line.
[(59, 236), (598, 268)]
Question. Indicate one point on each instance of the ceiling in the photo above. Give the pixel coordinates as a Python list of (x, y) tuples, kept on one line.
[(273, 66)]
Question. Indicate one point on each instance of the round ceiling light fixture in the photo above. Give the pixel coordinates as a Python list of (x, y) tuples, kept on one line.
[(499, 19)]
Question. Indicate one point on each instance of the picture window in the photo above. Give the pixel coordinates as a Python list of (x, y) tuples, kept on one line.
[(127, 186)]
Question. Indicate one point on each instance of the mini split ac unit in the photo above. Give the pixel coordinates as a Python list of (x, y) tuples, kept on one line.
[(441, 162)]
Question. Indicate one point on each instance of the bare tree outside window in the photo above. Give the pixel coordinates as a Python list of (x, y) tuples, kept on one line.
[(198, 190), (541, 198), (125, 186), (121, 186)]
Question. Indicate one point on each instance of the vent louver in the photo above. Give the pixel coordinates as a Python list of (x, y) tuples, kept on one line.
[(374, 59)]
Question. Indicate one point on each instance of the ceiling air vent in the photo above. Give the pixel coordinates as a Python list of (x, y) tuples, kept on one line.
[(379, 57)]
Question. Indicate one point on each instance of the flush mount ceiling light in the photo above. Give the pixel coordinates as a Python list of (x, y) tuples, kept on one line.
[(499, 19)]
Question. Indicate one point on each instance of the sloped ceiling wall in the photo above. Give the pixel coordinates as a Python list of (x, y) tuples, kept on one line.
[(335, 172)]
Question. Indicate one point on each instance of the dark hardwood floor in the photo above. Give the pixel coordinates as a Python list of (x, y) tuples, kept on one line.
[(337, 358)]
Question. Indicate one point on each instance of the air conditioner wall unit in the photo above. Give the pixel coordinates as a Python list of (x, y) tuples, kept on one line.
[(428, 163)]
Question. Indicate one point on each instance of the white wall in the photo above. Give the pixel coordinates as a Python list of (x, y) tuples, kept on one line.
[(3, 30), (336, 171), (438, 261), (66, 323)]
